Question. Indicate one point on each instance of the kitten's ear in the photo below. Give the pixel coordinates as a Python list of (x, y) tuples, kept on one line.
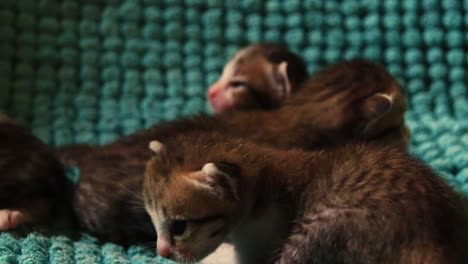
[(282, 85), (376, 106), (157, 147), (222, 179), (159, 163)]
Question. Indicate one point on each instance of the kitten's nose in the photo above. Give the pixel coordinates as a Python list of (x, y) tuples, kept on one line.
[(212, 92), (164, 248)]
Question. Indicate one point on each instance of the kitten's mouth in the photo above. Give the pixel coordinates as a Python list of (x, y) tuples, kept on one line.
[(182, 255), (219, 107), (179, 257)]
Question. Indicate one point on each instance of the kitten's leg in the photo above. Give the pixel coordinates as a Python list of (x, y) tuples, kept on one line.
[(423, 253), (11, 219), (331, 236), (359, 235)]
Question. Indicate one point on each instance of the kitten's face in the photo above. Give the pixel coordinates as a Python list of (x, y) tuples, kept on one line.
[(191, 209), (249, 83), (257, 77)]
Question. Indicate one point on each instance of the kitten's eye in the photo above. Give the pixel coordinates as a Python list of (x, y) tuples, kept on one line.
[(237, 84), (178, 227)]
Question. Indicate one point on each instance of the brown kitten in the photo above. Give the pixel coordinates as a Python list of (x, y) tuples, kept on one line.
[(357, 203), (354, 100), (260, 76), (351, 100), (357, 90), (33, 187)]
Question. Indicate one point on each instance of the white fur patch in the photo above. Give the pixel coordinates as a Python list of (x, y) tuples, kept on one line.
[(224, 254), (158, 220), (230, 67), (228, 71)]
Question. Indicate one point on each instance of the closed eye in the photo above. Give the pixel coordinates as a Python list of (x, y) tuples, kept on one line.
[(238, 84)]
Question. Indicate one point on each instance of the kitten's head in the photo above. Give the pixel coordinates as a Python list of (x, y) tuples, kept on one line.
[(192, 204), (355, 99), (257, 77)]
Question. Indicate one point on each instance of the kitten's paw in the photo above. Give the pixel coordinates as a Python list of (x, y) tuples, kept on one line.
[(10, 219)]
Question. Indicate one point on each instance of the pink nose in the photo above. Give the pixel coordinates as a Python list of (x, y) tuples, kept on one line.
[(164, 248), (212, 92)]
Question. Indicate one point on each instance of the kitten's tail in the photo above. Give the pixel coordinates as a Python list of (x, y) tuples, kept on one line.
[(71, 155)]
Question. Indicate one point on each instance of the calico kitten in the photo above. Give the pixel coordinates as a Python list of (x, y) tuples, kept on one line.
[(33, 187), (357, 203), (260, 76), (356, 100)]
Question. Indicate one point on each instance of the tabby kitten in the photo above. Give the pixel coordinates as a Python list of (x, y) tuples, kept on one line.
[(357, 203)]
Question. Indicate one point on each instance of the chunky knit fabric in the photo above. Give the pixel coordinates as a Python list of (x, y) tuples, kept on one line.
[(91, 71)]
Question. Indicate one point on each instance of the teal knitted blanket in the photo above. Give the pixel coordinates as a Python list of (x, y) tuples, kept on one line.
[(91, 71)]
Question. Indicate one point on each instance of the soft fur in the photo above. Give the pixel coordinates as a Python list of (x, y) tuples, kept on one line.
[(33, 187), (345, 102), (358, 203)]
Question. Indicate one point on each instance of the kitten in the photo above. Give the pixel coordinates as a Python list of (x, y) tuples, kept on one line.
[(260, 76), (33, 187), (355, 100), (357, 203)]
